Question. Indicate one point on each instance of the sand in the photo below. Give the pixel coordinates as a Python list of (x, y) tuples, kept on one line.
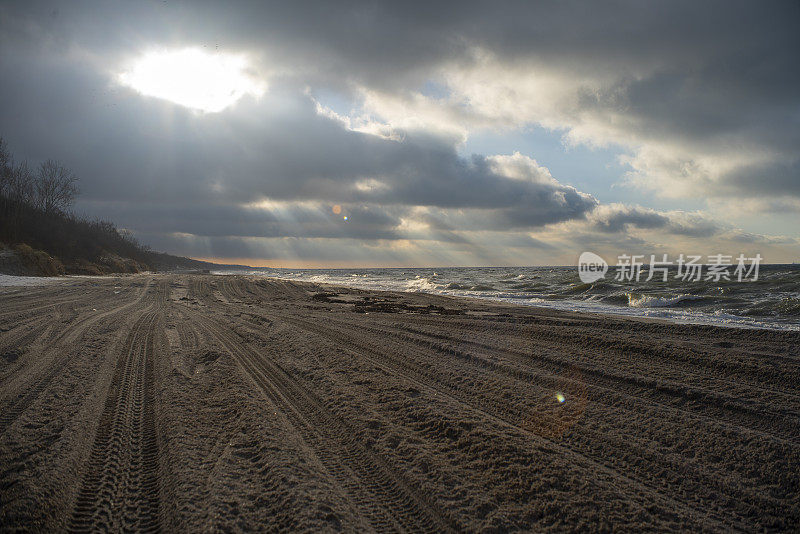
[(199, 403), (29, 281)]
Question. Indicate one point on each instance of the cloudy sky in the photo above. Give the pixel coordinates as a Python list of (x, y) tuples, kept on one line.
[(397, 134)]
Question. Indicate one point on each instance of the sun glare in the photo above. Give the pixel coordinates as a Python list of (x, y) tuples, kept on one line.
[(193, 78)]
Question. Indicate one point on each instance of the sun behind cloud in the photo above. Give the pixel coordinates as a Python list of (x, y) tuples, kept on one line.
[(193, 78)]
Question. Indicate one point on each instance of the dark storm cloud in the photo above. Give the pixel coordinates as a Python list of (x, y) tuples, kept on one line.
[(293, 249), (381, 40), (694, 228), (221, 220), (617, 220), (707, 76), (769, 179), (143, 150)]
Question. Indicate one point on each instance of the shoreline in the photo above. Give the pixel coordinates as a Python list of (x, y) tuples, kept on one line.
[(537, 309), (560, 305), (15, 282), (542, 307), (672, 315)]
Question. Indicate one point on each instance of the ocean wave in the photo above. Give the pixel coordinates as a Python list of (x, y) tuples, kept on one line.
[(456, 286), (619, 299), (528, 285), (578, 288), (789, 306), (593, 287), (481, 287), (469, 287), (636, 300), (422, 284)]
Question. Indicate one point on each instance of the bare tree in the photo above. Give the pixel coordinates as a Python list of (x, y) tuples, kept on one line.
[(21, 183), (5, 155), (16, 181), (56, 187), (6, 167), (16, 189)]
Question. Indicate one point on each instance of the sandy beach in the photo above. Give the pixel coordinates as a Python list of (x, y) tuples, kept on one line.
[(225, 403)]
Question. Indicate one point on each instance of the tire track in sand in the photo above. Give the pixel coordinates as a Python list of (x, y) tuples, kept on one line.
[(30, 306), (583, 452), (15, 408), (774, 426), (387, 498), (24, 334), (505, 414), (703, 370), (120, 489)]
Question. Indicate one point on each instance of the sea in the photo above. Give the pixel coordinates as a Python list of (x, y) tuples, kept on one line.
[(772, 301)]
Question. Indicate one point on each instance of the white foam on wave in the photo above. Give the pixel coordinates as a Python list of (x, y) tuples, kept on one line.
[(422, 284), (652, 301)]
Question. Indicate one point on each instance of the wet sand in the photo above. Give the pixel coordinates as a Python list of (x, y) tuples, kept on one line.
[(197, 403)]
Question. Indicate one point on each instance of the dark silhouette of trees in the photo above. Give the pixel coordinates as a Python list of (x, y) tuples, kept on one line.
[(52, 189), (36, 215), (36, 209), (55, 187), (17, 188)]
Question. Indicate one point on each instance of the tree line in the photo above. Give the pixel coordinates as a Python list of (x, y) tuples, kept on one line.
[(51, 188), (36, 209)]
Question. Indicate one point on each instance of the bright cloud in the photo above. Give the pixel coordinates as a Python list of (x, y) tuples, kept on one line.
[(193, 78)]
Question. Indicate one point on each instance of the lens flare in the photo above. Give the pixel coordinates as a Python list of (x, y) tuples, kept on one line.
[(560, 397), (337, 209)]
